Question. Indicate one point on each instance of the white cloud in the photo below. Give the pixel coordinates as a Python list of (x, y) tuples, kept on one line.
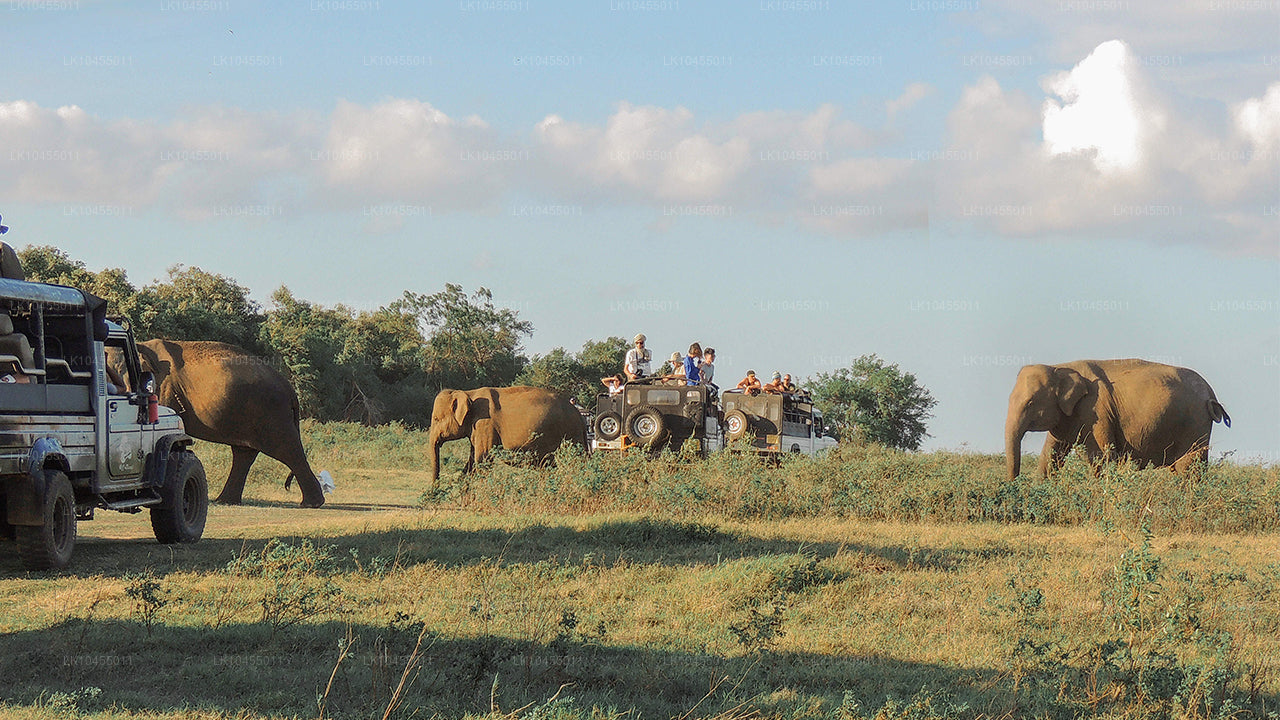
[(1117, 156), (1203, 48), (64, 155), (1258, 119), (220, 157), (214, 158), (645, 152), (1112, 150), (762, 164), (912, 94), (1098, 112), (403, 150)]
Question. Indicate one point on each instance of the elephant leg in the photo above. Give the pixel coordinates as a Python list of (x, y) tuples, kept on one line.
[(241, 460), (1049, 460), (1100, 449), (482, 442), (296, 460), (471, 459), (1197, 456)]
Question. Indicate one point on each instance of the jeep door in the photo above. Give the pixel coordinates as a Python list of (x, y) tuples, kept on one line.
[(125, 455)]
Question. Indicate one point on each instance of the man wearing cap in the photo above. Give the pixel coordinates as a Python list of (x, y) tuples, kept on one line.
[(775, 384), (638, 358)]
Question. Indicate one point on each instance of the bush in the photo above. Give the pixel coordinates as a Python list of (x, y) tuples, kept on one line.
[(873, 482)]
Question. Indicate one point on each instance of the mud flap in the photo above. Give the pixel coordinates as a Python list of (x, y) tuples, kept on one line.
[(158, 461), (24, 499)]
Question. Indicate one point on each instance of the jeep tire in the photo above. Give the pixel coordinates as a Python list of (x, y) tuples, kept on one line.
[(608, 426), (646, 426), (184, 506), (49, 546), (736, 425)]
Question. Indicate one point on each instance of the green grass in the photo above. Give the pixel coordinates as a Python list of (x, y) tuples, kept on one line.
[(876, 483), (846, 587)]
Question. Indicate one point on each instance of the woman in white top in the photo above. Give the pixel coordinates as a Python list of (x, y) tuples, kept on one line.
[(677, 365)]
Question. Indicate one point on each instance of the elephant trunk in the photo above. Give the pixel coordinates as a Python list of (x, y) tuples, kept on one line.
[(436, 441), (1013, 432)]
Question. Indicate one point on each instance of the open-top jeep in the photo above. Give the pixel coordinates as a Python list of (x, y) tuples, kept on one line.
[(774, 422), (654, 413), (71, 441)]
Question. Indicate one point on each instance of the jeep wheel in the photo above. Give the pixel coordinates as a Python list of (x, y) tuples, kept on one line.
[(608, 426), (184, 503), (49, 546), (735, 424), (647, 426)]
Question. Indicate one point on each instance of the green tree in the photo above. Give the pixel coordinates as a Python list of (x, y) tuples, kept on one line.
[(48, 264), (558, 371), (603, 357), (382, 360), (197, 305), (576, 375), (471, 342), (885, 404), (307, 338), (365, 367)]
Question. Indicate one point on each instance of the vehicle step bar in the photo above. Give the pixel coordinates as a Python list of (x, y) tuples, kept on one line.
[(130, 504)]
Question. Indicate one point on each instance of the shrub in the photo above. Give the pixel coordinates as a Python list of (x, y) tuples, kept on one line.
[(874, 483)]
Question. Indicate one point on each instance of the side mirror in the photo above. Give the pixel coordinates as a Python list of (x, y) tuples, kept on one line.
[(147, 383)]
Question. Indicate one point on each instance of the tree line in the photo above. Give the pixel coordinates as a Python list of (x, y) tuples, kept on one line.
[(383, 365)]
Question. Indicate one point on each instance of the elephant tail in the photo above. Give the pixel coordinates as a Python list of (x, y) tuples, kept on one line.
[(1219, 413), (289, 480)]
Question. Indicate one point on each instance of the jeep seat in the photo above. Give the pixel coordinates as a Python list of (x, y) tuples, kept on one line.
[(16, 346)]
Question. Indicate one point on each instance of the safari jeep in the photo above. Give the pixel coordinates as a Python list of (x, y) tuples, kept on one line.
[(654, 413), (69, 443), (775, 422)]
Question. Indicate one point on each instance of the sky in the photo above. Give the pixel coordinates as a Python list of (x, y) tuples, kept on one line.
[(961, 187)]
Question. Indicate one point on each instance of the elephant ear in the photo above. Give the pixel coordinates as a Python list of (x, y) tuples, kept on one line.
[(461, 406), (1072, 387)]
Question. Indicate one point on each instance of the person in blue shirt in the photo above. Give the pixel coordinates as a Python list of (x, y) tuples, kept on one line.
[(692, 374)]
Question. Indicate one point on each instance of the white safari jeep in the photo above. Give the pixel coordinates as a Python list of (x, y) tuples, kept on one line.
[(772, 423), (71, 441)]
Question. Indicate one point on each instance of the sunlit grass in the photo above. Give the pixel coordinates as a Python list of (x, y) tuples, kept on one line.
[(858, 584)]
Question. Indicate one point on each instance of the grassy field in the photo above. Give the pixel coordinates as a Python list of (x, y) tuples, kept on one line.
[(868, 584)]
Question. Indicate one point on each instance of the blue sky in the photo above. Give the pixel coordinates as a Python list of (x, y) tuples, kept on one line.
[(961, 187)]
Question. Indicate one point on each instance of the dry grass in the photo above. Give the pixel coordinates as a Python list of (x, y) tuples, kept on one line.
[(618, 612)]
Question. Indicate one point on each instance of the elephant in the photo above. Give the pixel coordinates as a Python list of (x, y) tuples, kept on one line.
[(1148, 412), (226, 395), (522, 418)]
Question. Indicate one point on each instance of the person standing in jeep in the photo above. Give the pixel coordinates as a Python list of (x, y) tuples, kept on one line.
[(692, 361), (707, 370), (638, 359)]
